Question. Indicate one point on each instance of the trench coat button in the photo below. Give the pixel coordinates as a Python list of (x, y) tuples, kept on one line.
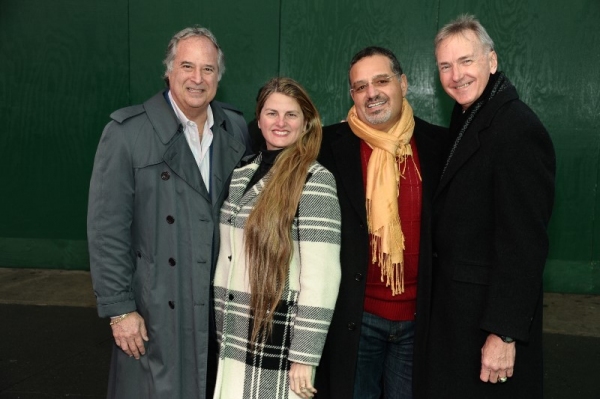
[(139, 254), (358, 276), (351, 326), (172, 262), (165, 175), (172, 304), (170, 219), (229, 257), (231, 297)]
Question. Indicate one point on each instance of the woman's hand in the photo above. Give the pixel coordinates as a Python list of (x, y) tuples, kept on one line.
[(301, 380)]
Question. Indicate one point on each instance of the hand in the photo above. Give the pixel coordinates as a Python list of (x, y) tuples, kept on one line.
[(301, 380), (497, 359), (129, 333)]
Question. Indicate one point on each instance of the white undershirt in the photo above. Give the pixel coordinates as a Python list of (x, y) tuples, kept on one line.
[(200, 149)]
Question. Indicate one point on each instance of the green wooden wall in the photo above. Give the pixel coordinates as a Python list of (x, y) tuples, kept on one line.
[(65, 65)]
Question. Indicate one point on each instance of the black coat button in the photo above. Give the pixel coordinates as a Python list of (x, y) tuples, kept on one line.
[(351, 326), (229, 257), (170, 219), (358, 276), (231, 297), (435, 255), (172, 304), (172, 262), (139, 254), (165, 175)]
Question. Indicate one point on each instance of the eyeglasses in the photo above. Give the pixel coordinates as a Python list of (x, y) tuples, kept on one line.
[(379, 81)]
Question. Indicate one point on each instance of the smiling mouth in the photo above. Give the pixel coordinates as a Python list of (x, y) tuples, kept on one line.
[(280, 132), (463, 86), (375, 104), (192, 90)]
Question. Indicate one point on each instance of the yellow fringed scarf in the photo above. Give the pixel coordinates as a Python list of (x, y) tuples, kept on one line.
[(383, 187)]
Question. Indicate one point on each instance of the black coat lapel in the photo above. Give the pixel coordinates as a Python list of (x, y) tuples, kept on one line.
[(346, 153)]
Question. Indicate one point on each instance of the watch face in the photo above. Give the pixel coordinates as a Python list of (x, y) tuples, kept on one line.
[(506, 339)]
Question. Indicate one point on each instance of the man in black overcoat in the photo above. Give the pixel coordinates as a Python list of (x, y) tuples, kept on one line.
[(369, 346), (480, 331)]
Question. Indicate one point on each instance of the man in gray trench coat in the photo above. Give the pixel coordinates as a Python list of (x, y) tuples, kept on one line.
[(160, 175)]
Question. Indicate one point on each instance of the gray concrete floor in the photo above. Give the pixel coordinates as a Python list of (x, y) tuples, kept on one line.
[(53, 345)]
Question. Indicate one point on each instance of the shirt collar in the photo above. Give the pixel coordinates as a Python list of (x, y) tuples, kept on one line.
[(184, 119)]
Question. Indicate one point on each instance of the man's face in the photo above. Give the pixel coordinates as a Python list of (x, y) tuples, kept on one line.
[(464, 66), (194, 79), (379, 105)]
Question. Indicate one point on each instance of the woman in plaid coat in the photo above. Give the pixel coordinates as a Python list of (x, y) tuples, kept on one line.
[(278, 272)]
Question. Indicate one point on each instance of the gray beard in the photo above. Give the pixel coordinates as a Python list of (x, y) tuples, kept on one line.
[(380, 118)]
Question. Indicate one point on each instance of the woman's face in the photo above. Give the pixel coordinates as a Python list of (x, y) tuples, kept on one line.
[(281, 121)]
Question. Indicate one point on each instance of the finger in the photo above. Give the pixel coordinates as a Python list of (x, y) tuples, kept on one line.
[(140, 345), (144, 332), (510, 372), (125, 348), (484, 375), (133, 348)]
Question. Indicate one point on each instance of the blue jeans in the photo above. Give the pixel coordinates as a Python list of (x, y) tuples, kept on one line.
[(384, 359)]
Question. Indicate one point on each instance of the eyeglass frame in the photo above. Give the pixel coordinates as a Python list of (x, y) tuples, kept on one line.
[(390, 77)]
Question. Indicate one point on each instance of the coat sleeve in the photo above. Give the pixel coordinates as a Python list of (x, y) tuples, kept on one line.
[(319, 223), (524, 170), (110, 214)]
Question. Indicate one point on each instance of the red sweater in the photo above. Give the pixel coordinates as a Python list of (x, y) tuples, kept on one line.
[(378, 298)]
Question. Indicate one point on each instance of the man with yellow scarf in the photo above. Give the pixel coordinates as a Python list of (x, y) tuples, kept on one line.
[(386, 163)]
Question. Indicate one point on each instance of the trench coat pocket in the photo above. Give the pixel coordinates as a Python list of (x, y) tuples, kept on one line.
[(472, 273)]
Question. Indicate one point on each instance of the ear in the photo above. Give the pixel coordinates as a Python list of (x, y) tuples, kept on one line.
[(493, 58), (404, 84)]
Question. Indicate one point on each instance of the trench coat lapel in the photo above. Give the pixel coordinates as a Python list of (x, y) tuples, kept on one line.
[(227, 153), (346, 153), (178, 155), (181, 160)]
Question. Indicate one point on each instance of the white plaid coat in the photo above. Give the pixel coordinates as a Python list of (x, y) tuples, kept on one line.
[(304, 313)]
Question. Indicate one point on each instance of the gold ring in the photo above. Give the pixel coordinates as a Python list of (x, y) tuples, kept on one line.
[(502, 379)]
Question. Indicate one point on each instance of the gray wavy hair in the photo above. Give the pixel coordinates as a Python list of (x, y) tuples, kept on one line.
[(193, 31), (461, 24)]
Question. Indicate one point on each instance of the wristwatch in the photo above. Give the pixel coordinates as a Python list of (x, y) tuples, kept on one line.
[(506, 339)]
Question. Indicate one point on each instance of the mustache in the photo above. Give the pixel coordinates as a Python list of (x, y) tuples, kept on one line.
[(377, 98)]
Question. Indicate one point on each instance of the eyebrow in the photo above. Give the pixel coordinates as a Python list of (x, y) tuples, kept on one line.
[(463, 58), (381, 75)]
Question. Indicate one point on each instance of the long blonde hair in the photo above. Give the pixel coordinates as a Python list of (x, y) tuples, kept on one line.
[(267, 234)]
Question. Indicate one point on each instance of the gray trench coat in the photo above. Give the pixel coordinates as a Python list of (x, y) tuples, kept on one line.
[(152, 230)]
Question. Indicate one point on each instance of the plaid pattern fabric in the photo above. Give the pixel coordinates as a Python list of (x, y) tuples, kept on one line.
[(303, 315)]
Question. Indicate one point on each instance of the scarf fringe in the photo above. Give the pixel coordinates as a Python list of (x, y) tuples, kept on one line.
[(392, 270)]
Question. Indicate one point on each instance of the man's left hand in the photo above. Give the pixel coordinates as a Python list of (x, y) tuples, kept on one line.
[(497, 360)]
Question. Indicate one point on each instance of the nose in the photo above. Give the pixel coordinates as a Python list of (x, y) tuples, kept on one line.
[(197, 76), (280, 122), (457, 73), (371, 90)]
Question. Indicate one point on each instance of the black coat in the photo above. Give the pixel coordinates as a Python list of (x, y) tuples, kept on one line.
[(340, 153), (490, 214)]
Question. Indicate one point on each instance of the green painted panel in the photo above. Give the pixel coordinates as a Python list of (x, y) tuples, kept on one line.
[(62, 73), (247, 32), (572, 277), (44, 253), (319, 39), (92, 58)]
